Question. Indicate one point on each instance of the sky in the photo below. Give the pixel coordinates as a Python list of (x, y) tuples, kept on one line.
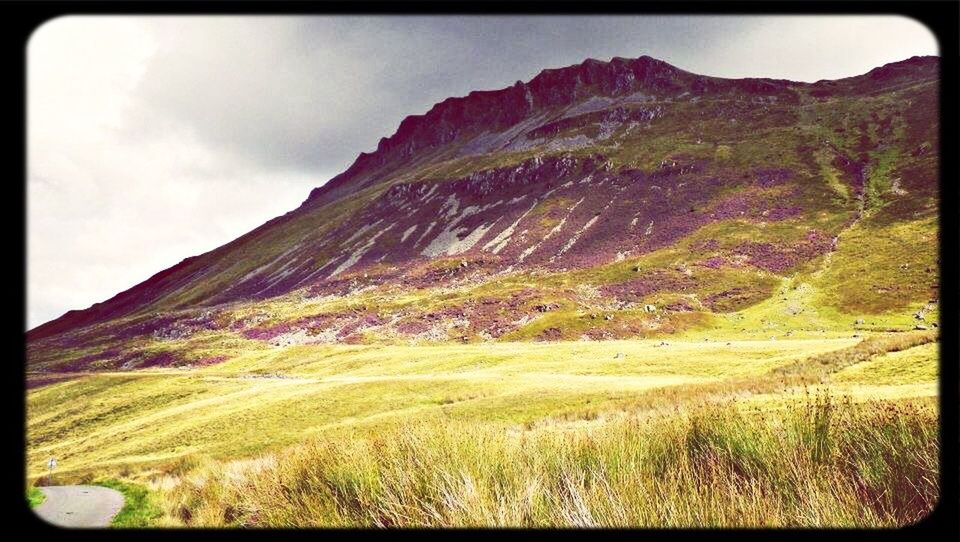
[(152, 139)]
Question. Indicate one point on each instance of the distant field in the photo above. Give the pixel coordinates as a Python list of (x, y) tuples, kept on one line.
[(156, 425), (269, 399)]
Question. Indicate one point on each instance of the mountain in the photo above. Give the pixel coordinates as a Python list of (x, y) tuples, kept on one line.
[(615, 199)]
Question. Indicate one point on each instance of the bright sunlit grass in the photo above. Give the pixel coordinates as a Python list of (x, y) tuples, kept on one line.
[(570, 433)]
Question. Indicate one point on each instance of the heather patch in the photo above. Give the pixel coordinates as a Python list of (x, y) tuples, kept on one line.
[(445, 271), (593, 325), (483, 318), (267, 333), (780, 259), (154, 359), (209, 360), (187, 327), (348, 285), (734, 299), (714, 262), (704, 245), (637, 289)]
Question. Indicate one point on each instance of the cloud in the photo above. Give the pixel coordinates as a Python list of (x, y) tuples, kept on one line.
[(256, 88), (110, 201)]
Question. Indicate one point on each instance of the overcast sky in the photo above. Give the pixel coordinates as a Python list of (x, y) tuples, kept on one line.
[(153, 139)]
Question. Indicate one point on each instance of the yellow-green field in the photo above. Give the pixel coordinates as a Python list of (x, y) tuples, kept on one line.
[(200, 436)]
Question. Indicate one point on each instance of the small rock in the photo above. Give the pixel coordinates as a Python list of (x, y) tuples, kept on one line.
[(858, 322), (920, 327), (608, 317), (618, 356)]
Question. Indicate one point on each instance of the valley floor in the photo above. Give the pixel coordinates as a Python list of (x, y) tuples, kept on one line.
[(416, 435)]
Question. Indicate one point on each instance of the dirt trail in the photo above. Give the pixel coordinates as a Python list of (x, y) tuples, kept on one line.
[(79, 506)]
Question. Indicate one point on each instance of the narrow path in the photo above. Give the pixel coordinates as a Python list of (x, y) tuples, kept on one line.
[(79, 506)]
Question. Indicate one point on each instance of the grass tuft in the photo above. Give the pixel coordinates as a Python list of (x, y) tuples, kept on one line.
[(815, 463), (35, 497), (140, 508)]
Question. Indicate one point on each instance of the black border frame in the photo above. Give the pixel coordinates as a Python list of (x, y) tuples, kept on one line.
[(940, 17)]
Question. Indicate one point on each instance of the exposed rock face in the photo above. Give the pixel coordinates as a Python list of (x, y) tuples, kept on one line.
[(456, 118), (631, 80), (577, 170)]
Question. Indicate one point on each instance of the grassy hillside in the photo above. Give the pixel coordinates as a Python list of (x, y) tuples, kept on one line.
[(274, 398), (712, 190)]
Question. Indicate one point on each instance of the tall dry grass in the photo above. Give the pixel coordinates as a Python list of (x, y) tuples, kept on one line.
[(817, 462), (831, 362)]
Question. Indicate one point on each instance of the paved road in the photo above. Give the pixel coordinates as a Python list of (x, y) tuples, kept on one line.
[(79, 506)]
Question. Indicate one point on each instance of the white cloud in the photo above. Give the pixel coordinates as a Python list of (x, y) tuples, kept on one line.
[(810, 48), (107, 210)]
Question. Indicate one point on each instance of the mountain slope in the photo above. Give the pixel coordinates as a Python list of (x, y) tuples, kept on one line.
[(606, 199)]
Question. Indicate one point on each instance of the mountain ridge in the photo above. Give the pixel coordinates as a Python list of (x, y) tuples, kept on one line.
[(533, 92), (585, 101)]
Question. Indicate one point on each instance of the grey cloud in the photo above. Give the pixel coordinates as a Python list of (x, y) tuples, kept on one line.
[(308, 93), (313, 92)]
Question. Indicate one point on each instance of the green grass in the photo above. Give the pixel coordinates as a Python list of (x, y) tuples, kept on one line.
[(824, 461), (878, 269), (571, 324), (831, 175), (35, 497), (878, 180), (140, 507), (148, 418), (918, 364), (611, 433)]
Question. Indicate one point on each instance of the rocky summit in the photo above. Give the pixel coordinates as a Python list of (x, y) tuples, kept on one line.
[(604, 200)]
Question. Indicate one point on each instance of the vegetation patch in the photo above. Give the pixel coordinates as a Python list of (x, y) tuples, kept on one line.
[(140, 507), (881, 268), (35, 497), (821, 462), (917, 364)]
